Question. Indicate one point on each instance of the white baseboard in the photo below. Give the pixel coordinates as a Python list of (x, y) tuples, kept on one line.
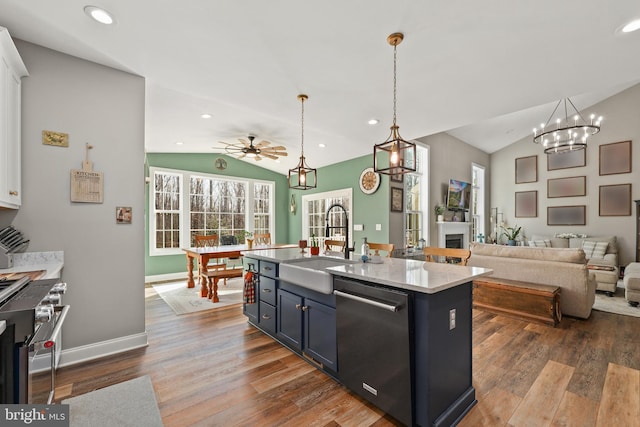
[(165, 277), (97, 350)]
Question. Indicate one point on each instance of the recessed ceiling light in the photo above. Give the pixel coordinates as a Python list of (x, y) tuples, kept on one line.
[(373, 121), (206, 116), (99, 14), (179, 143), (631, 26), (321, 145)]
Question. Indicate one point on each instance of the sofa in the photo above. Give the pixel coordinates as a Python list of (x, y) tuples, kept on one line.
[(601, 254), (562, 267)]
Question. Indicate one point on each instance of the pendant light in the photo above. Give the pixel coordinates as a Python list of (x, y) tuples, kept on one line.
[(394, 156), (303, 177)]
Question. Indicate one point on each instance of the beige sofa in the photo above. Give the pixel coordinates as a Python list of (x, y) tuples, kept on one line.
[(563, 267), (604, 266)]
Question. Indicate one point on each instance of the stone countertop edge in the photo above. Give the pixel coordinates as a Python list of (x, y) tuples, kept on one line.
[(418, 276), (51, 262)]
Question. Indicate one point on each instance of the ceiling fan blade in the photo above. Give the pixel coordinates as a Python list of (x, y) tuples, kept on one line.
[(232, 149), (245, 143), (262, 144), (258, 158), (269, 156), (242, 156), (277, 148)]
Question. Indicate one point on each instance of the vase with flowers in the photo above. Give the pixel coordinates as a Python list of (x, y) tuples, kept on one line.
[(315, 248)]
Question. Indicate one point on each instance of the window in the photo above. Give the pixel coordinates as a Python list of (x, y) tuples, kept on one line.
[(314, 209), (477, 198), (211, 205), (416, 197)]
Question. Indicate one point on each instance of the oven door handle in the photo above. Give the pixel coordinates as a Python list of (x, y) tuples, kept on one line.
[(56, 331)]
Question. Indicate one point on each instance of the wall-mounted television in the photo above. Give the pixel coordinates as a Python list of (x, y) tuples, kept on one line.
[(458, 195)]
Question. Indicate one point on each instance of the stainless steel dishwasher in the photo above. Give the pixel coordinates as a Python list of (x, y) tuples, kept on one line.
[(374, 333)]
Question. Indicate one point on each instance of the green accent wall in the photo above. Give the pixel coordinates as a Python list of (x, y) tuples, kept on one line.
[(156, 265)]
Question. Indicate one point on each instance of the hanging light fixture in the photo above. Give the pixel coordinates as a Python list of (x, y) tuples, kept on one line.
[(394, 156), (569, 133), (303, 177)]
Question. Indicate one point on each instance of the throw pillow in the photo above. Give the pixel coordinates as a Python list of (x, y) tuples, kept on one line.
[(594, 249), (540, 243)]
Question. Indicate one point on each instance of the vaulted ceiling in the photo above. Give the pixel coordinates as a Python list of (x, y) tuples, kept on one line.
[(486, 72)]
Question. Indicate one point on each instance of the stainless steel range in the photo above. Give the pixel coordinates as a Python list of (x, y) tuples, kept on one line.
[(33, 315)]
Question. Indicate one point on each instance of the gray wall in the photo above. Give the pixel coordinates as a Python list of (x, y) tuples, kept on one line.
[(450, 158), (620, 123), (104, 262)]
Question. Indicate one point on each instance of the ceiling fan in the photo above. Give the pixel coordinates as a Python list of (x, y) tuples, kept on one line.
[(257, 151)]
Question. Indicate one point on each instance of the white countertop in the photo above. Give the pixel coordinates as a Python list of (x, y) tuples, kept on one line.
[(419, 276), (50, 262)]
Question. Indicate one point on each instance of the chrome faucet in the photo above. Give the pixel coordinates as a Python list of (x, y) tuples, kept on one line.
[(345, 227)]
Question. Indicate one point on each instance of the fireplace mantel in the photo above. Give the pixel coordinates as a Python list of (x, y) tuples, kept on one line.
[(454, 227)]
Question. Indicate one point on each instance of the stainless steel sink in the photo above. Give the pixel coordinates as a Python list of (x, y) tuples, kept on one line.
[(311, 273)]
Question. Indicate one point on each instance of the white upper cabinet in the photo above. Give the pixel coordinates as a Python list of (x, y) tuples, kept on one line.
[(12, 70)]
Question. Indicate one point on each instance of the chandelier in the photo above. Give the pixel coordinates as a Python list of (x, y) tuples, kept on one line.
[(302, 177), (394, 156), (569, 133)]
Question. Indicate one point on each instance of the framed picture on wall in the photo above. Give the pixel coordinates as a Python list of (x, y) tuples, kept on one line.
[(397, 197), (526, 169), (615, 200), (526, 204), (615, 158), (567, 187), (570, 159), (567, 215)]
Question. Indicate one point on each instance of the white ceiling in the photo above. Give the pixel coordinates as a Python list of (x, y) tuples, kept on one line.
[(487, 72)]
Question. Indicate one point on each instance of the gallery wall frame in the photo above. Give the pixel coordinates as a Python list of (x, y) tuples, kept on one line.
[(572, 186), (615, 158), (615, 200), (526, 204), (570, 159), (567, 215), (526, 169)]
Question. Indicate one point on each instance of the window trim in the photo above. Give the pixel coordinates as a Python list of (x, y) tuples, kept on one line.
[(185, 215), (343, 192)]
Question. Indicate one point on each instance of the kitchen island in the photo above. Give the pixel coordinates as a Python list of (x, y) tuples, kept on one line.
[(412, 358)]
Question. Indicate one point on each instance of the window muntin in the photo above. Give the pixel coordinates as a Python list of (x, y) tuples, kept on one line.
[(315, 208), (167, 210)]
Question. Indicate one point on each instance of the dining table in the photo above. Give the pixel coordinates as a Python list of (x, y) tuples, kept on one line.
[(202, 255)]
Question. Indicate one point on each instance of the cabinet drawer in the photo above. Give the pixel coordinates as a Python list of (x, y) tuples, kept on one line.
[(269, 269), (268, 290), (267, 317)]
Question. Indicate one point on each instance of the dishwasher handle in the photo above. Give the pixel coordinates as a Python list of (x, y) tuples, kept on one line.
[(393, 308)]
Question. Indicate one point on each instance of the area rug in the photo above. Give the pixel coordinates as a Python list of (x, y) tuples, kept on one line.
[(185, 300), (128, 404), (616, 304)]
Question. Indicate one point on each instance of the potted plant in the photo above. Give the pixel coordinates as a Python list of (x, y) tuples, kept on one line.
[(511, 233), (439, 210), (315, 249), (247, 236)]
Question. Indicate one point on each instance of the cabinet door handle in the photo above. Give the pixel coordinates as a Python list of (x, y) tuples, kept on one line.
[(266, 268), (298, 306), (13, 193), (304, 308), (266, 317), (267, 290)]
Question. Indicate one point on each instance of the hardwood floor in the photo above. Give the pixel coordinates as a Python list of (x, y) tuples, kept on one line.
[(213, 369)]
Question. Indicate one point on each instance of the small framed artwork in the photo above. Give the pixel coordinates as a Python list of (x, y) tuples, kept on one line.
[(526, 169), (123, 215), (615, 158), (526, 204), (570, 159), (615, 200), (567, 187), (397, 196), (567, 215)]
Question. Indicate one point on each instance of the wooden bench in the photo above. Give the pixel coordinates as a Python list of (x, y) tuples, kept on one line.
[(529, 301), (213, 276)]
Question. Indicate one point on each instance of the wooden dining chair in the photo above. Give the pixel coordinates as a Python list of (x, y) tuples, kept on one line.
[(262, 239), (377, 247), (446, 253), (210, 241), (329, 245), (230, 239)]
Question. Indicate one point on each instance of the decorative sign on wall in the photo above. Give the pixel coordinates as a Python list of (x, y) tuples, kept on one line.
[(615, 200), (526, 169), (87, 186), (57, 139), (570, 159), (567, 215), (123, 215), (615, 158)]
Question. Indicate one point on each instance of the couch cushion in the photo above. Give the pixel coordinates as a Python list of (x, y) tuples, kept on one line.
[(540, 243), (612, 248), (556, 242), (575, 256), (594, 249)]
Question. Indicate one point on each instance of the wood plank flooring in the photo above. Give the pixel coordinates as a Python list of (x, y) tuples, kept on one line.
[(213, 369)]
